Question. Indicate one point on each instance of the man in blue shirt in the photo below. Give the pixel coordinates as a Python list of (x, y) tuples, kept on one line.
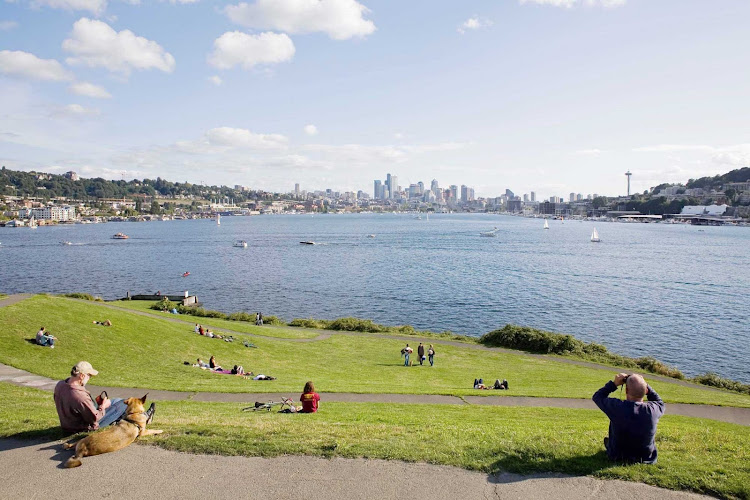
[(632, 422)]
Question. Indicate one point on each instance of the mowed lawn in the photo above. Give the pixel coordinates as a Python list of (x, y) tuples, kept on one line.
[(215, 323), (149, 352), (694, 454)]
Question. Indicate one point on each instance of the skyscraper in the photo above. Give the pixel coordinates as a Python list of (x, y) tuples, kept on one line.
[(464, 193), (434, 187), (394, 186), (389, 185), (533, 196), (377, 190), (525, 197), (509, 194), (572, 197)]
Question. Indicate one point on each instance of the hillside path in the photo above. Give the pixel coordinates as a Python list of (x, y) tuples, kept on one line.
[(23, 378)]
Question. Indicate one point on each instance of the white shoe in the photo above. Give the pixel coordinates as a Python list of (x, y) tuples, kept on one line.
[(51, 347)]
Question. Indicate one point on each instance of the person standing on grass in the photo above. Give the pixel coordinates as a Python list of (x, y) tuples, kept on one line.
[(260, 319), (257, 319), (406, 351), (431, 355), (632, 422), (420, 353), (310, 399)]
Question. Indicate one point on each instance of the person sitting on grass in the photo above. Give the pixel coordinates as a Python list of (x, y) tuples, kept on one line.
[(239, 370), (632, 422), (202, 365), (78, 411), (212, 363), (503, 386), (106, 322), (44, 338), (310, 399), (201, 331)]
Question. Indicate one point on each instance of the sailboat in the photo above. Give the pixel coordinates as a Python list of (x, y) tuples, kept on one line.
[(218, 219), (546, 225), (595, 236), (32, 223)]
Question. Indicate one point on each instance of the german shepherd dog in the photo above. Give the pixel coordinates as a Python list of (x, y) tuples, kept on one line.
[(113, 437)]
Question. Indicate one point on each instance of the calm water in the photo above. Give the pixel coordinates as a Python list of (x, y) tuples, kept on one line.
[(675, 292)]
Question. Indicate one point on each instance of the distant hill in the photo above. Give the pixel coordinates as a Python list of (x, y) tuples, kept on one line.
[(739, 175)]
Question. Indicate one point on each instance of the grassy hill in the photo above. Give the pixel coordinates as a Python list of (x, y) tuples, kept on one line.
[(148, 352)]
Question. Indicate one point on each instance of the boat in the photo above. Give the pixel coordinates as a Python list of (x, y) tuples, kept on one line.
[(240, 244), (490, 234), (65, 243), (218, 219), (370, 235), (595, 236), (307, 242), (546, 225), (120, 236), (186, 274), (32, 223)]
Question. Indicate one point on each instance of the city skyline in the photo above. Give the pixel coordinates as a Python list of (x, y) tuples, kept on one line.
[(261, 93)]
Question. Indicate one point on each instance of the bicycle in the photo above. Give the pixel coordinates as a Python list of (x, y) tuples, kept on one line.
[(258, 406)]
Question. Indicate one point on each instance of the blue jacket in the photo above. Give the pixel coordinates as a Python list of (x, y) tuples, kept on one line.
[(632, 425)]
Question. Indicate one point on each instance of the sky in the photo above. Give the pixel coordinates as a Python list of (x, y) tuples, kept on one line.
[(551, 96)]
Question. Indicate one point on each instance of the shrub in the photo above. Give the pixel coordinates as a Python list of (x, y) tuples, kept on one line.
[(273, 320), (355, 325), (83, 296), (714, 380), (164, 305), (307, 323), (655, 366), (242, 316)]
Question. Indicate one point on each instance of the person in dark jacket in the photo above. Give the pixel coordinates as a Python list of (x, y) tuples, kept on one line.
[(632, 422), (420, 353)]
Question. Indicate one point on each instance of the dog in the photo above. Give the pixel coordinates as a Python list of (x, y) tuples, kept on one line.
[(114, 437)]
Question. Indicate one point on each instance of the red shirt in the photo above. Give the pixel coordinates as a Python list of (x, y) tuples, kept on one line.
[(309, 402)]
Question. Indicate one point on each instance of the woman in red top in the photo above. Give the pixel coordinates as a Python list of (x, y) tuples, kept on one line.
[(310, 399)]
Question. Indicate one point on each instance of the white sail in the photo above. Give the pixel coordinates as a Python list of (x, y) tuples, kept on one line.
[(218, 219), (546, 225), (595, 236)]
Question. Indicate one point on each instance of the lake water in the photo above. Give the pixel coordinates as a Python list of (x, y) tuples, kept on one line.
[(678, 293)]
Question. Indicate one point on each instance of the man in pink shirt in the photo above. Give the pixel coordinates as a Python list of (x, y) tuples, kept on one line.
[(78, 411)]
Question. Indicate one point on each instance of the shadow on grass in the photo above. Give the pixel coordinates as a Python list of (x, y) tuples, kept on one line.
[(526, 465)]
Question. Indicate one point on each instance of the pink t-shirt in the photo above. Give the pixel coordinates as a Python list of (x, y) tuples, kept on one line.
[(309, 402)]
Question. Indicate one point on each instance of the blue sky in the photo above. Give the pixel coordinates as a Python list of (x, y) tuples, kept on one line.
[(552, 96)]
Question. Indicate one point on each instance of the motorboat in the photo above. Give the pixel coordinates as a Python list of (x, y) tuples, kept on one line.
[(595, 236), (186, 274), (120, 236), (490, 234), (65, 243), (370, 235), (307, 242), (240, 244)]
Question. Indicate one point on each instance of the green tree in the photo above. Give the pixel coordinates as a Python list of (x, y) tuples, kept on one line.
[(155, 208)]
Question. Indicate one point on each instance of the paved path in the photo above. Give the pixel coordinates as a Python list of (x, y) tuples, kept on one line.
[(721, 413), (149, 472)]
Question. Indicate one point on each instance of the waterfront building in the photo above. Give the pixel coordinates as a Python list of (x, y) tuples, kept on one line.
[(54, 213)]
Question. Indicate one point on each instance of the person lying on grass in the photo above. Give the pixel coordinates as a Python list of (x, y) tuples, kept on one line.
[(479, 384), (106, 322), (632, 422)]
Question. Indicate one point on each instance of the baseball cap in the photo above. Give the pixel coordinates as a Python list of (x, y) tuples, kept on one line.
[(85, 367)]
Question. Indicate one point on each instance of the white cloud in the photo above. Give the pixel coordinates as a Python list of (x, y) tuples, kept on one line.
[(671, 148), (25, 65), (242, 138), (473, 23), (89, 90), (575, 3), (216, 80), (8, 25), (96, 44), (589, 152), (398, 136), (339, 19), (311, 129), (234, 48), (96, 7), (74, 110)]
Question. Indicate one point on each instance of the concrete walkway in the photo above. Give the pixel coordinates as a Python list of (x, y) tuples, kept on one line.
[(728, 414), (33, 470)]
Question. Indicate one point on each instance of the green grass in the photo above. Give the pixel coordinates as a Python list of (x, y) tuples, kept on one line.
[(216, 323), (148, 352), (697, 455)]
